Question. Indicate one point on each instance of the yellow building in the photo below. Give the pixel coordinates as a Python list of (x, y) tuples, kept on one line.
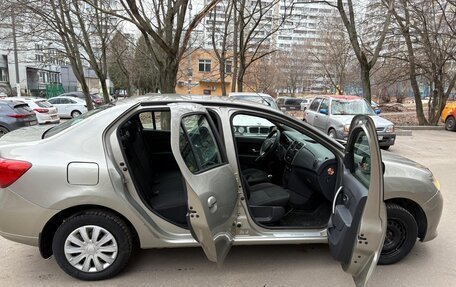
[(205, 78)]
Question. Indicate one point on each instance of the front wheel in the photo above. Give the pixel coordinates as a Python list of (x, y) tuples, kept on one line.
[(401, 235), (75, 113), (450, 124), (332, 134), (93, 245), (3, 131), (385, 147)]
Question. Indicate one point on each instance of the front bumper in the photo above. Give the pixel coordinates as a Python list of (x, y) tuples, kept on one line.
[(21, 220), (386, 139), (433, 209)]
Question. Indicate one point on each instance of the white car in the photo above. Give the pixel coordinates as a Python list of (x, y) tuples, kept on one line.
[(45, 112), (69, 107)]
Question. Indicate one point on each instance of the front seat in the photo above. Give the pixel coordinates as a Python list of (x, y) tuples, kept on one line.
[(266, 201), (255, 176)]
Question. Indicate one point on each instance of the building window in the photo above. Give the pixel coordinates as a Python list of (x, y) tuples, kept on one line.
[(204, 65), (206, 92), (228, 67), (3, 75)]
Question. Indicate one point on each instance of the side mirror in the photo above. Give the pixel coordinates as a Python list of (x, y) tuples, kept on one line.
[(378, 111), (324, 111)]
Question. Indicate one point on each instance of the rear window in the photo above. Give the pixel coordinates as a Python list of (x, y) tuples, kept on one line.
[(22, 109), (43, 104), (63, 126)]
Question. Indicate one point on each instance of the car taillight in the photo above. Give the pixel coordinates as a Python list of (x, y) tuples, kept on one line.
[(19, 116), (12, 170), (40, 110)]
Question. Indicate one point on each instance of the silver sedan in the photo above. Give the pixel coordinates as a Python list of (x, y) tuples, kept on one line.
[(170, 171)]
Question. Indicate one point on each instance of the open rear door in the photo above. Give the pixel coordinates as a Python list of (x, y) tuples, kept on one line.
[(212, 189), (357, 225)]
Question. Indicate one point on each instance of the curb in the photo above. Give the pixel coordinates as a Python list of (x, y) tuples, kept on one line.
[(403, 132), (420, 128)]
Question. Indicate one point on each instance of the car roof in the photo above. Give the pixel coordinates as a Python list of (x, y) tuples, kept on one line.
[(240, 94), (197, 99), (66, 97), (28, 99), (341, 97)]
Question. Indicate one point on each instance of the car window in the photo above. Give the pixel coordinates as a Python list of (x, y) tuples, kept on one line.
[(198, 145), (315, 104), (293, 102), (351, 107), (155, 120), (361, 158), (22, 109), (63, 126), (54, 101), (42, 104), (324, 104), (247, 126), (71, 101)]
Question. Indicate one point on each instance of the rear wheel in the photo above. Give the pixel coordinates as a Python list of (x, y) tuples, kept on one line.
[(3, 131), (93, 245), (450, 124), (75, 113), (401, 235)]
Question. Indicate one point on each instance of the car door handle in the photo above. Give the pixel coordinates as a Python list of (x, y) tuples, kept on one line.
[(212, 203), (255, 150), (335, 198)]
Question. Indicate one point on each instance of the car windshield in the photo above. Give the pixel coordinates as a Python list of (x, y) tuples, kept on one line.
[(43, 104), (63, 126), (354, 107), (259, 99)]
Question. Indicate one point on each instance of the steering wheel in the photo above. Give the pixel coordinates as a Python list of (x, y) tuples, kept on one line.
[(269, 145)]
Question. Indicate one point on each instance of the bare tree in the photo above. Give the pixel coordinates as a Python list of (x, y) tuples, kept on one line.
[(263, 76), (163, 28), (256, 23), (428, 31), (333, 54), (121, 63)]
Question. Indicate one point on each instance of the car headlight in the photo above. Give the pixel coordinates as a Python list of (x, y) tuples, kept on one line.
[(390, 129), (436, 183), (346, 129), (241, 130)]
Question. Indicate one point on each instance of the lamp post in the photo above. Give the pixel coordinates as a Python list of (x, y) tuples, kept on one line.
[(189, 58), (16, 63)]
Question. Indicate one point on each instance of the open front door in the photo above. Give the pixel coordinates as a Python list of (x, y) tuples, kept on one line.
[(357, 225), (210, 182)]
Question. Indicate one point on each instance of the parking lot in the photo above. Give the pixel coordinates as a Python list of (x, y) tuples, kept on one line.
[(429, 264)]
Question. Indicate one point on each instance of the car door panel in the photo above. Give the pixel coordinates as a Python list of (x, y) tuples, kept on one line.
[(212, 192), (357, 225)]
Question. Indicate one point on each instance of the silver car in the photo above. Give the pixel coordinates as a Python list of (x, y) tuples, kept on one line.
[(165, 171), (333, 115)]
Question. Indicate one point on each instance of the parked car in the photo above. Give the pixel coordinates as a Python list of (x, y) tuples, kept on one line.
[(168, 171), (333, 114), (44, 111), (69, 107), (261, 98), (15, 114), (448, 116), (289, 103), (96, 99), (305, 104)]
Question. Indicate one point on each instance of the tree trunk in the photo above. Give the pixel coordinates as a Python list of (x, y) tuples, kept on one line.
[(235, 50), (104, 90), (365, 79), (168, 75)]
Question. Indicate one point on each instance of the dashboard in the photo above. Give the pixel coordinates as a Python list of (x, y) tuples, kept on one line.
[(309, 166)]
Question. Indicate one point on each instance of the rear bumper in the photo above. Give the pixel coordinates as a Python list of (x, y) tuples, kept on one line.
[(21, 220)]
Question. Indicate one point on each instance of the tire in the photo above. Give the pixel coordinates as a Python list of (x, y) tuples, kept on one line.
[(450, 124), (3, 131), (75, 113), (385, 147), (332, 133), (113, 234), (401, 235)]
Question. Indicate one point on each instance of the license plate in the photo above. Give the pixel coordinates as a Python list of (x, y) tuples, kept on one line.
[(380, 138), (32, 123)]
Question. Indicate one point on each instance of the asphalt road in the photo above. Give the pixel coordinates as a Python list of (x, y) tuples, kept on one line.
[(429, 264)]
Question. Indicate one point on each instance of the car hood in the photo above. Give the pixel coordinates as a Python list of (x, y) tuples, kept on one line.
[(399, 166), (26, 134), (346, 120)]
